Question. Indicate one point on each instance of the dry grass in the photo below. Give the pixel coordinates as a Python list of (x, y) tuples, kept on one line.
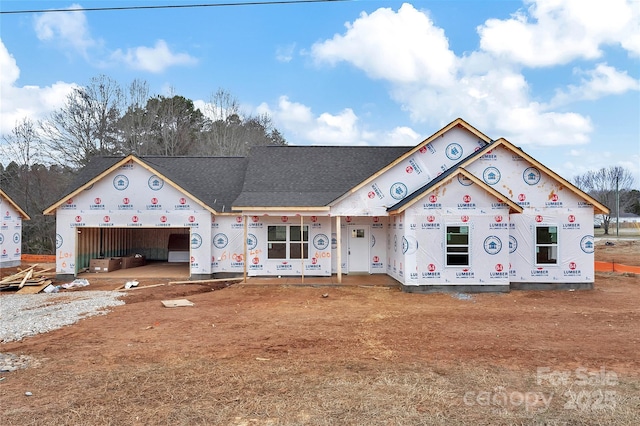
[(279, 392)]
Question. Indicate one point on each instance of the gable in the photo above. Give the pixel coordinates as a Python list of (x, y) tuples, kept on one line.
[(212, 182), (126, 189), (424, 163), (10, 208), (427, 160), (526, 181), (457, 189)]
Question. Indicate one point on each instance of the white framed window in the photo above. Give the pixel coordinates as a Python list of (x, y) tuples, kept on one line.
[(546, 245), (287, 242), (457, 245)]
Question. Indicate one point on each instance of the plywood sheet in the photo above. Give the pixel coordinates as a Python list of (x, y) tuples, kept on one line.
[(176, 303)]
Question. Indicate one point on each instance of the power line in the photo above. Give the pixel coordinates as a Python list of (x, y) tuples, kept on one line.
[(174, 6)]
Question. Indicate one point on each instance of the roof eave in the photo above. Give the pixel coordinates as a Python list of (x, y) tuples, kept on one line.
[(22, 213), (513, 207), (458, 122), (598, 208), (51, 210)]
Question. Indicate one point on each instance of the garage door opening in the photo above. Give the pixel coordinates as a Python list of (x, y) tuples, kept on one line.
[(160, 247)]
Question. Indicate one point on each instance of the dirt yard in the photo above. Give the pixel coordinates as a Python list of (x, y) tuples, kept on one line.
[(360, 355)]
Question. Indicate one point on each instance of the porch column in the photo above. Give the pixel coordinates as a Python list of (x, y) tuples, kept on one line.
[(244, 245), (339, 250), (302, 249)]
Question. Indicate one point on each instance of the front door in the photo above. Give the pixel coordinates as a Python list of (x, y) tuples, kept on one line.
[(358, 248)]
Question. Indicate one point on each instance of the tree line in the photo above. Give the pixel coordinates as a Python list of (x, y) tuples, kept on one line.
[(38, 159)]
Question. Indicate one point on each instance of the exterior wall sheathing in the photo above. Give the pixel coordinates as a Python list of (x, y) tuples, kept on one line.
[(10, 235), (127, 211), (456, 203), (546, 202)]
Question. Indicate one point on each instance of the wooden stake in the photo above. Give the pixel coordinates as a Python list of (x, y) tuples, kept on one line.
[(206, 281), (138, 288)]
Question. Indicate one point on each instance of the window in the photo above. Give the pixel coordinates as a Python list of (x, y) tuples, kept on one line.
[(547, 245), (357, 233), (457, 246), (299, 242), (287, 242)]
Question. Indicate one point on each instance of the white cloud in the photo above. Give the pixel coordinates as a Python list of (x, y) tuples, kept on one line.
[(401, 47), (70, 30), (552, 32), (67, 29), (33, 102), (301, 126), (602, 81), (401, 136), (325, 129), (285, 53), (153, 59)]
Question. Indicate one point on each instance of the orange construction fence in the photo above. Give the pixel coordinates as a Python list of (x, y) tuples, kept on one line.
[(616, 267), (38, 258)]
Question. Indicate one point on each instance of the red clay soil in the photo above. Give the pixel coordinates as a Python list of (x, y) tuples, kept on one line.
[(520, 330)]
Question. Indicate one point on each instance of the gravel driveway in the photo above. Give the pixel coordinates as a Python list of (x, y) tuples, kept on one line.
[(23, 315)]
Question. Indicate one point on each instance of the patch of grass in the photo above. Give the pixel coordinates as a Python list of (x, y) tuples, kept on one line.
[(624, 232)]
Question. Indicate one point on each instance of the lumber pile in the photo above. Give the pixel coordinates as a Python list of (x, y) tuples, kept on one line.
[(29, 281)]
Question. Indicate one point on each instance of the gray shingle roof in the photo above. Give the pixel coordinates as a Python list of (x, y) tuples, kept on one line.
[(216, 181), (272, 176), (94, 167), (309, 176)]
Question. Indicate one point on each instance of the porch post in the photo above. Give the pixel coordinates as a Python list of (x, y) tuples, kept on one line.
[(244, 245), (302, 248), (339, 250)]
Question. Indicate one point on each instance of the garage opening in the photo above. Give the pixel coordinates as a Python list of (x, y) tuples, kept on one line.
[(150, 245)]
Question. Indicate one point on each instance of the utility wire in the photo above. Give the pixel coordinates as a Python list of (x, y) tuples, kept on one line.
[(174, 6)]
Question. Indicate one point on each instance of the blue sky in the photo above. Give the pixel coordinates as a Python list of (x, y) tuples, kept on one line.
[(561, 79)]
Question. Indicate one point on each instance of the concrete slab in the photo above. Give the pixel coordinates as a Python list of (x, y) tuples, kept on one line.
[(150, 270)]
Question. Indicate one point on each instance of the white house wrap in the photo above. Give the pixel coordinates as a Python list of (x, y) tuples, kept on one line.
[(458, 211), (10, 231)]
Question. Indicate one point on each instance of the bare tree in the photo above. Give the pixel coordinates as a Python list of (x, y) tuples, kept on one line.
[(22, 144), (32, 185), (223, 110), (232, 132), (86, 125), (135, 124), (604, 185)]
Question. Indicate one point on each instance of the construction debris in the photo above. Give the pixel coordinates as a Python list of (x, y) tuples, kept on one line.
[(78, 282), (29, 281), (176, 303)]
